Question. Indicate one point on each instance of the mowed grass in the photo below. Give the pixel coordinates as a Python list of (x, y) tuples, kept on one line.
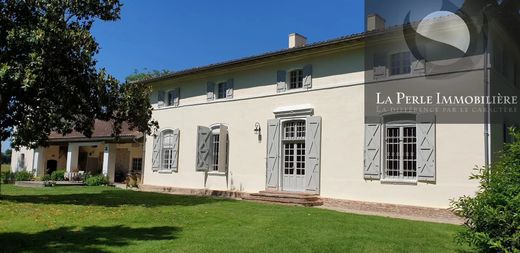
[(105, 219)]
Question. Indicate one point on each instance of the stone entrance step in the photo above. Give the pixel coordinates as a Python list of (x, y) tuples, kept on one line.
[(304, 199)]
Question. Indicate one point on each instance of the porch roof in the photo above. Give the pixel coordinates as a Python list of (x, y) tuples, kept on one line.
[(103, 131)]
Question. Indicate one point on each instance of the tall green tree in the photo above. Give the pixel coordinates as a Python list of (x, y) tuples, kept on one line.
[(48, 76)]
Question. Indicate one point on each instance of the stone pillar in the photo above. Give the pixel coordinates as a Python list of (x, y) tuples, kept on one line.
[(109, 161), (38, 165), (72, 158)]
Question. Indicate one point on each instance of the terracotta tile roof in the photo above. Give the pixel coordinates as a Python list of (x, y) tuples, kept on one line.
[(102, 131)]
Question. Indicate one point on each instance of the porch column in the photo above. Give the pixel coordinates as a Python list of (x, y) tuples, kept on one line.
[(38, 162), (72, 158), (109, 162)]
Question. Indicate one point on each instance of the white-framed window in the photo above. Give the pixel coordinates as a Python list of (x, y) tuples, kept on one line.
[(400, 63), (167, 150), (137, 164), (219, 149), (173, 97), (400, 151), (296, 79), (221, 90), (293, 147)]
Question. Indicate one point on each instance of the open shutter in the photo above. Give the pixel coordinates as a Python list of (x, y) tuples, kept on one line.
[(222, 149), (161, 98), (210, 89), (372, 161), (175, 145), (203, 148), (312, 154), (230, 85), (418, 67), (307, 76), (273, 154), (379, 66), (156, 154), (426, 147), (281, 81)]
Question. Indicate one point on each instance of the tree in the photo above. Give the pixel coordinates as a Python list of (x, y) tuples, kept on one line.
[(492, 215), (6, 158), (146, 74), (48, 76)]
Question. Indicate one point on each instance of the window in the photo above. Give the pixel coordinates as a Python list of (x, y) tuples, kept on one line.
[(21, 161), (400, 63), (137, 164), (296, 79), (167, 150), (221, 90), (401, 151), (173, 97), (293, 141)]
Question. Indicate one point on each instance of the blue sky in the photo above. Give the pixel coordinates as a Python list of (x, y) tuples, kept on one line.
[(175, 35)]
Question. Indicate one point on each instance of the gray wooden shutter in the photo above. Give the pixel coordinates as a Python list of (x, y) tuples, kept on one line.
[(175, 162), (379, 66), (230, 85), (203, 148), (273, 154), (307, 76), (372, 161), (222, 148), (281, 81), (210, 89), (160, 98), (426, 147), (312, 154), (418, 67), (156, 153)]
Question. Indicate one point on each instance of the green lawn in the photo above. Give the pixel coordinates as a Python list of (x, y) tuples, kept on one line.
[(105, 219)]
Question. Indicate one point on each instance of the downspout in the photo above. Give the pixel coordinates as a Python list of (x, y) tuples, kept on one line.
[(487, 92)]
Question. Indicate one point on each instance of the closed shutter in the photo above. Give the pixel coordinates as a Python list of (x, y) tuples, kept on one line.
[(160, 98), (156, 154), (210, 89), (426, 147), (223, 149), (281, 81), (273, 154), (372, 161), (230, 85), (307, 76), (203, 148), (175, 144), (312, 154)]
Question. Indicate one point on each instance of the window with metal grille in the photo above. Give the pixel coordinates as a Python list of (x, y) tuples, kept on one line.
[(167, 150), (137, 164), (401, 63), (221, 90), (215, 153), (296, 79), (293, 139), (401, 152)]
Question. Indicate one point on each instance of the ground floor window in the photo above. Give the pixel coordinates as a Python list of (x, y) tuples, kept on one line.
[(401, 151), (215, 137), (137, 164), (167, 150)]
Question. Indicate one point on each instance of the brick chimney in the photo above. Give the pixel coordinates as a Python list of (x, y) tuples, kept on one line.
[(297, 40), (375, 22)]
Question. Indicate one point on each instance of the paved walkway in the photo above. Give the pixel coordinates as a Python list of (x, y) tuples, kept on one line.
[(394, 211)]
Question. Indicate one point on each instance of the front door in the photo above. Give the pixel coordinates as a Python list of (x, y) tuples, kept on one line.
[(293, 156)]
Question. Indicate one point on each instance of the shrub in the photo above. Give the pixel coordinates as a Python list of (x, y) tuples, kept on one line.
[(23, 176), (492, 220), (8, 177), (57, 175), (96, 180), (46, 178)]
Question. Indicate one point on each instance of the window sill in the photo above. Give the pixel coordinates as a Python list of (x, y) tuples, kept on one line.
[(399, 181), (165, 171), (216, 173)]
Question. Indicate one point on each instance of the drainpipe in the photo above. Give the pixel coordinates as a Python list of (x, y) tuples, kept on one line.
[(487, 92)]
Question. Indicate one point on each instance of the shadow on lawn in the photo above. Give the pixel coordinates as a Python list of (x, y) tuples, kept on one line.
[(113, 198), (87, 239)]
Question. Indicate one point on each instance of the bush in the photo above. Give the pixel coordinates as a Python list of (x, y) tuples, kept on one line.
[(492, 217), (46, 178), (8, 177), (57, 175), (96, 180), (23, 176)]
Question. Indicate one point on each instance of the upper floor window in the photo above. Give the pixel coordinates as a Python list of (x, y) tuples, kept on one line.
[(173, 97), (221, 90), (400, 63), (296, 79)]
